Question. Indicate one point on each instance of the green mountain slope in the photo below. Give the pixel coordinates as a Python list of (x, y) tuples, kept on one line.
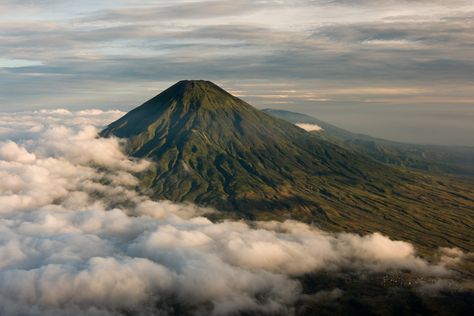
[(214, 149), (458, 160)]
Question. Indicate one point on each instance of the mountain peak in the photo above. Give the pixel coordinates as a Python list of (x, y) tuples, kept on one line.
[(193, 95), (186, 105), (192, 86), (196, 83), (213, 149)]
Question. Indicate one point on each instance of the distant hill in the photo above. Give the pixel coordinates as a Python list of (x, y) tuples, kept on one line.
[(458, 160), (214, 149)]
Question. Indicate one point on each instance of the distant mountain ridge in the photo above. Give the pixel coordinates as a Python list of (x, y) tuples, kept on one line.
[(458, 160), (213, 149)]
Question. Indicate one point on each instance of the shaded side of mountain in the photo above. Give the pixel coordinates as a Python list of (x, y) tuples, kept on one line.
[(456, 160), (214, 149)]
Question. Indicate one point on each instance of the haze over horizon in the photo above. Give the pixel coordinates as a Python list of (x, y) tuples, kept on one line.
[(400, 70)]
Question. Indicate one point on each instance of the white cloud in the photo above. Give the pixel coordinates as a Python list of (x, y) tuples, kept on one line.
[(309, 127), (10, 151), (76, 238)]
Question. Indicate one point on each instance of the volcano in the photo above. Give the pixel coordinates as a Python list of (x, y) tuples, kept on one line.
[(211, 148)]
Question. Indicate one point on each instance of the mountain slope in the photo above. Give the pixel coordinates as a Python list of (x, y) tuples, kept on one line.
[(214, 149), (457, 160)]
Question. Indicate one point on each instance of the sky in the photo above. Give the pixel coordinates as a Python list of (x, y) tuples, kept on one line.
[(397, 69)]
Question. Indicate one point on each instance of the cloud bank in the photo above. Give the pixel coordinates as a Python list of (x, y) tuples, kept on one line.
[(76, 238)]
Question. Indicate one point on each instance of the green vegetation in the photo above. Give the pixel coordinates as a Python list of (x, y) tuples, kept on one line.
[(214, 149)]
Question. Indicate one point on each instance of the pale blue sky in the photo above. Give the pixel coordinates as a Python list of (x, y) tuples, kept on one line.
[(401, 69)]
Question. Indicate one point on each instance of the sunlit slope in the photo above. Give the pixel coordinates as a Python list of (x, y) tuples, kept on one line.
[(214, 149)]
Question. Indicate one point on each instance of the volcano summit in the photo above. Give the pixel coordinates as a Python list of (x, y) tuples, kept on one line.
[(214, 149)]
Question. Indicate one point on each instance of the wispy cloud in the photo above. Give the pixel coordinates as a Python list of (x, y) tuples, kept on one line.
[(309, 127)]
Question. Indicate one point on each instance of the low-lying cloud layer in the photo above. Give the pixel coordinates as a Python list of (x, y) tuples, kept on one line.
[(76, 238)]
